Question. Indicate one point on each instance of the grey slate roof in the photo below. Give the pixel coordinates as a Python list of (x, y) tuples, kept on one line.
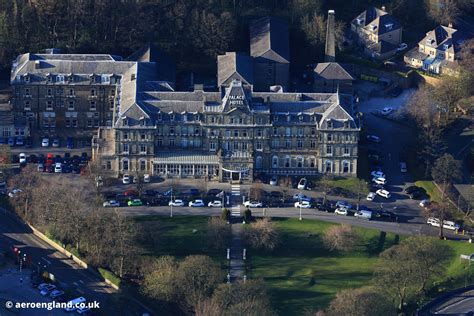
[(376, 21), (269, 39), (331, 71), (234, 64), (166, 70), (441, 36)]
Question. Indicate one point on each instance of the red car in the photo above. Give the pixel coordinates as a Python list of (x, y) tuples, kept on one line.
[(131, 192)]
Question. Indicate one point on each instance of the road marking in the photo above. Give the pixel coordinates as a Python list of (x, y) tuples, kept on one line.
[(236, 189), (75, 283), (80, 281), (235, 210), (46, 260)]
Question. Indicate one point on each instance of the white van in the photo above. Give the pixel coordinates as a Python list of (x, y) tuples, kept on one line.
[(446, 224), (72, 305), (364, 214)]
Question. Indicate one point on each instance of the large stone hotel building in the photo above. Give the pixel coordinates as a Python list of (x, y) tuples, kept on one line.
[(247, 126)]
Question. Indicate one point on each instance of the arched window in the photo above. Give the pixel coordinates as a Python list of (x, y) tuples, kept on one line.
[(328, 166), (312, 162), (287, 161), (142, 165), (125, 165), (275, 162), (258, 162), (345, 166), (299, 162)]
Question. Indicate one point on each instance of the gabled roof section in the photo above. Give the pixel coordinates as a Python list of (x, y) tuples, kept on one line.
[(332, 71), (235, 97), (269, 39), (339, 114), (443, 37), (134, 113), (376, 21), (234, 66), (150, 53)]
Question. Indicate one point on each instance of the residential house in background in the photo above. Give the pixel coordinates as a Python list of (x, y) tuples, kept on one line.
[(378, 32), (437, 52)]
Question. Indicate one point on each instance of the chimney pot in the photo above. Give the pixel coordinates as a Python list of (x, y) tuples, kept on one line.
[(383, 8)]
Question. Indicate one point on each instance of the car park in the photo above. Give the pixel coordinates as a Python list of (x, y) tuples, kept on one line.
[(55, 143), (373, 138), (56, 293), (194, 192), (344, 204), (47, 289), (196, 203), (111, 203), (378, 180), (411, 189), (402, 47), (40, 167), (126, 179), (384, 215), (58, 168), (215, 203), (213, 192), (343, 211), (131, 193), (364, 214), (301, 196), (178, 203), (45, 142), (450, 225), (303, 204), (43, 285), (403, 167), (383, 193), (27, 142), (252, 204), (302, 184), (370, 196), (19, 141), (135, 202), (22, 158), (11, 141), (274, 181)]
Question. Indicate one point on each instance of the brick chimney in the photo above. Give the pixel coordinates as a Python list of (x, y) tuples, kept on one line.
[(330, 52)]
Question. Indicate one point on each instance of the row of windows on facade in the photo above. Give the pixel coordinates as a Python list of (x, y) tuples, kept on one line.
[(8, 131), (71, 92), (238, 146), (288, 162), (51, 123), (240, 121), (60, 78), (70, 105)]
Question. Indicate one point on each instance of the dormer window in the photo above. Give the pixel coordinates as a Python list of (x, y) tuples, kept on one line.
[(142, 121), (125, 121), (172, 117), (288, 118), (50, 78), (346, 124), (159, 117), (105, 79), (93, 93), (300, 117), (27, 78), (374, 27), (71, 92), (60, 78), (445, 46), (196, 117), (389, 26), (329, 123), (93, 106)]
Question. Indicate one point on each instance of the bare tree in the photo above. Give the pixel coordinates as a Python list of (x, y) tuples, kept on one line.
[(443, 11), (256, 191), (27, 181), (160, 280), (262, 234), (218, 233), (123, 252), (286, 183), (361, 301), (341, 238)]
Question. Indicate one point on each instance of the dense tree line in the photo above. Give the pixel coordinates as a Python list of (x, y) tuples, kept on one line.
[(193, 32)]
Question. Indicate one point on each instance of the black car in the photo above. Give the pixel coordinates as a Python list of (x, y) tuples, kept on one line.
[(33, 159), (276, 195), (385, 215), (194, 192), (411, 189), (84, 157)]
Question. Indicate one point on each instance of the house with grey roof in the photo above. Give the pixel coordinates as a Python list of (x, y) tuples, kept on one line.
[(231, 66), (270, 48), (437, 52), (377, 32)]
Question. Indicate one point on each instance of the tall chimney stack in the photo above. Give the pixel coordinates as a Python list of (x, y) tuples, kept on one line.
[(330, 53)]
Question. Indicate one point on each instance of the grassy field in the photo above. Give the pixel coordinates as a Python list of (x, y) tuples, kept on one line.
[(431, 189), (303, 276), (349, 184)]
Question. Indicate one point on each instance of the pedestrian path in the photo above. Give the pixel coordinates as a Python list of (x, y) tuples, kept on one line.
[(236, 264), (235, 200)]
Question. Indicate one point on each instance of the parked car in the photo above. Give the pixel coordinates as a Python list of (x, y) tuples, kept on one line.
[(370, 196), (131, 192), (383, 193), (58, 168), (364, 214), (111, 203), (11, 141), (373, 138), (378, 180), (14, 192), (69, 143), (47, 289), (194, 192), (126, 179), (403, 167), (216, 203), (303, 204), (301, 196), (135, 202), (178, 203), (384, 215), (425, 203), (446, 224), (252, 204), (196, 203), (43, 285), (40, 167), (56, 293), (343, 204), (56, 143), (146, 178), (402, 47), (82, 310), (302, 184), (45, 142), (274, 181), (22, 158), (387, 110), (343, 211), (411, 189), (377, 174), (71, 305), (19, 141)]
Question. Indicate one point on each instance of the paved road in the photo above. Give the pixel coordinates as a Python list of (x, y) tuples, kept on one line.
[(66, 272)]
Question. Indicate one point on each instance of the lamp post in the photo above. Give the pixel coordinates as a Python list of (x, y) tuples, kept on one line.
[(171, 204)]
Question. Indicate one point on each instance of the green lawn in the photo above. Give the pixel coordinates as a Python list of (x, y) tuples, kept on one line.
[(302, 275), (349, 184), (431, 189)]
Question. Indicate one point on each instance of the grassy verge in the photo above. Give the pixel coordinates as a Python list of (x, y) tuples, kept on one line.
[(106, 274), (303, 276), (431, 189), (349, 184)]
